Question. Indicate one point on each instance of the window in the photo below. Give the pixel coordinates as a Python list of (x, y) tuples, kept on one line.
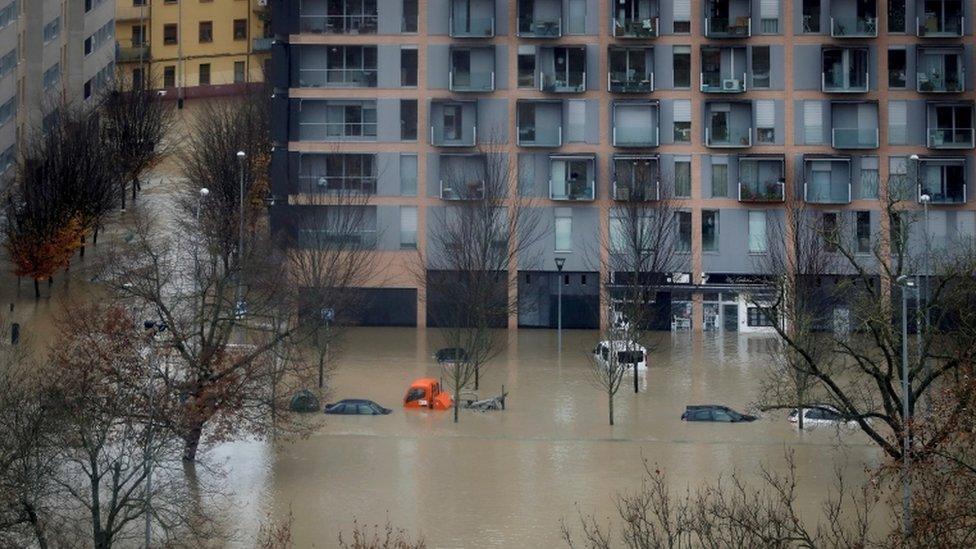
[(720, 178), (684, 231), (709, 230), (898, 181), (408, 227), (138, 35), (682, 17), (757, 231), (204, 74), (238, 72), (682, 66), (169, 34), (869, 178), (87, 89), (576, 131), (769, 16), (103, 35), (8, 110), (8, 14), (169, 76), (760, 66), (138, 3), (760, 317), (408, 175), (206, 32), (52, 76), (240, 29), (564, 229), (765, 121), (577, 17), (408, 119), (8, 62), (862, 228), (526, 67), (896, 16), (828, 228), (138, 78), (813, 122), (682, 178), (409, 23), (682, 120), (811, 16), (897, 68), (897, 122), (408, 67), (52, 30)]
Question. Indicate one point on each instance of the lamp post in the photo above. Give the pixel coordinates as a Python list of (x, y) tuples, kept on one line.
[(239, 305), (924, 283), (906, 284), (560, 261), (153, 328)]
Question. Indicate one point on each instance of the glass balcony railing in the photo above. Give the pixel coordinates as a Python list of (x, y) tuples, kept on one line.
[(951, 138), (337, 131), (940, 82), (574, 83), (939, 27), (635, 28), (262, 44), (473, 27), (728, 138), (540, 136), (943, 193), (852, 26), (636, 137), (317, 184), (443, 139), (723, 27), (712, 82), (621, 82), (576, 190), (854, 138), (474, 190), (839, 82), (472, 81), (643, 191), (312, 238), (762, 191), (827, 192), (339, 24), (337, 78), (531, 27), (134, 53)]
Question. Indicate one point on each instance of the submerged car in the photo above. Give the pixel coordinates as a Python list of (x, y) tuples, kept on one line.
[(356, 406), (821, 414), (628, 354), (427, 393), (713, 412), (451, 354)]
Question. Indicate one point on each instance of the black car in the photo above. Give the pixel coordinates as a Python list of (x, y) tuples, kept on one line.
[(712, 412), (356, 406), (451, 354)]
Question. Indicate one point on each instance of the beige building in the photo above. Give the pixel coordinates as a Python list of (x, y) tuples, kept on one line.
[(196, 47)]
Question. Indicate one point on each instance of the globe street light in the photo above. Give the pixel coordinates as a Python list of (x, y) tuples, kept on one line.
[(906, 284), (240, 238)]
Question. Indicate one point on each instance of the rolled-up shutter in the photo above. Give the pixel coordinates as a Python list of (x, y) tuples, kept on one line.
[(682, 110), (897, 122), (812, 122), (769, 9), (682, 10), (765, 113)]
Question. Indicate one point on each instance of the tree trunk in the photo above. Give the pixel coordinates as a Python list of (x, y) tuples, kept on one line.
[(799, 419), (477, 376), (95, 236), (122, 196), (457, 404), (191, 441), (81, 252), (636, 389), (135, 187), (50, 281), (39, 536), (37, 289), (610, 402)]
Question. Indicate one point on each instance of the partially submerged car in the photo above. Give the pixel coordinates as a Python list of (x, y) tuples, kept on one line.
[(356, 406), (449, 355), (628, 353), (820, 415), (716, 413), (427, 393)]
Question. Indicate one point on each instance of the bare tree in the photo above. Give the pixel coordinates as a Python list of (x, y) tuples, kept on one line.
[(608, 366), (474, 246)]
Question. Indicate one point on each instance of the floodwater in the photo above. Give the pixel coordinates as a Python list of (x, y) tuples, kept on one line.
[(506, 478)]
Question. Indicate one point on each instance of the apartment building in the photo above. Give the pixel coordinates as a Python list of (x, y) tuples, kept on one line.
[(51, 51), (732, 105), (194, 47)]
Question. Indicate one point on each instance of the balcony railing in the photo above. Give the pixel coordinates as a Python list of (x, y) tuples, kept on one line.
[(474, 190), (723, 27), (937, 82), (854, 138), (943, 194), (551, 84), (440, 140), (337, 78), (853, 26), (540, 136), (829, 82), (732, 138), (472, 81), (827, 193), (575, 191), (636, 137), (134, 53), (936, 27), (339, 24), (262, 44), (951, 138), (620, 82), (762, 191), (337, 131), (530, 27), (714, 83), (316, 184), (313, 238), (635, 28), (474, 27), (644, 191)]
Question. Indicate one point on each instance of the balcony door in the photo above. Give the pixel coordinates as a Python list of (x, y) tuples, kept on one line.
[(461, 67), (718, 124), (453, 126)]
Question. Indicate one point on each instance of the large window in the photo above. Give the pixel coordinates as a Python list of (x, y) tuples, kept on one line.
[(760, 317), (863, 232), (709, 230), (811, 16), (682, 120), (682, 66), (760, 66), (408, 227), (206, 32), (684, 231), (408, 174), (408, 67), (409, 23), (897, 68), (682, 17), (408, 119), (720, 179), (896, 16), (170, 35), (564, 230), (757, 232), (526, 67)]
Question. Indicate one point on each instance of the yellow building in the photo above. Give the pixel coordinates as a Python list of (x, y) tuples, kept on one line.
[(194, 47)]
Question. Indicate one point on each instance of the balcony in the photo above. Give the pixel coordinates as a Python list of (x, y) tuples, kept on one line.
[(462, 176), (570, 83), (337, 78), (728, 138), (539, 123), (535, 136), (337, 120), (624, 82), (339, 184), (631, 70), (540, 18), (635, 124), (845, 70), (572, 178), (761, 179), (635, 178), (472, 81), (453, 123), (635, 28), (854, 124), (723, 27), (134, 53), (713, 82), (326, 239), (940, 70), (854, 27), (940, 19), (728, 125), (565, 69), (339, 24), (472, 70), (827, 180), (472, 190), (943, 179), (951, 138), (473, 27), (262, 44), (636, 137), (854, 138)]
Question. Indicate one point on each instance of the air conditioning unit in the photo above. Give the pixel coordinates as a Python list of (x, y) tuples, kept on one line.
[(730, 84)]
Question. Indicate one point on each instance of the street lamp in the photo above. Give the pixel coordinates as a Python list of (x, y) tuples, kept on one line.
[(240, 237), (925, 199), (560, 261), (906, 284)]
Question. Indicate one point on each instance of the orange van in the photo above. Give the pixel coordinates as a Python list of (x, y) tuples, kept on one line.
[(427, 393)]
